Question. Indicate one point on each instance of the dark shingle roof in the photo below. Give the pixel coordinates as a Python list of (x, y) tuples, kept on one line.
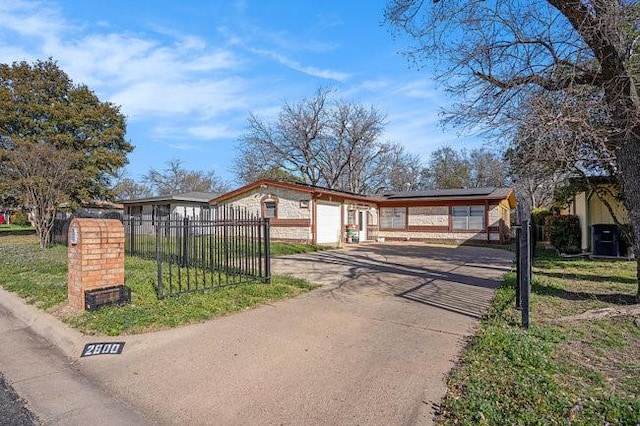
[(438, 193), (194, 196)]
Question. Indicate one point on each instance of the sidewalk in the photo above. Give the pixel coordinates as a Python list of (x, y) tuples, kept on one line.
[(41, 374)]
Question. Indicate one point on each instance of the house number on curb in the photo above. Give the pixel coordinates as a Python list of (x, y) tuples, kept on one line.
[(104, 348)]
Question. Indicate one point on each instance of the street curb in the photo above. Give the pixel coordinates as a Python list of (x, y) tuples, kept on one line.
[(45, 325)]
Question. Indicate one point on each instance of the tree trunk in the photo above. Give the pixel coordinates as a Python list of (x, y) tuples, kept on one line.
[(629, 161)]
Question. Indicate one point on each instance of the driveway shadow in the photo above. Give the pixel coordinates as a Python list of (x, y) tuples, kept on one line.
[(454, 279), (610, 298)]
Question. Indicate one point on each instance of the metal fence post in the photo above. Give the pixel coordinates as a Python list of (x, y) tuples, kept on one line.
[(525, 271), (267, 251), (185, 242), (132, 236), (518, 261), (159, 263)]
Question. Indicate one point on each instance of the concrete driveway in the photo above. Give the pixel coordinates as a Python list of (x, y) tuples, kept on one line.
[(370, 347)]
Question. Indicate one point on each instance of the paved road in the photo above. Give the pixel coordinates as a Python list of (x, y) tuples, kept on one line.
[(40, 374), (13, 410), (372, 346)]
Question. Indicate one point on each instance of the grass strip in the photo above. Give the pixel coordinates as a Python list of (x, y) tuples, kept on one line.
[(39, 276), (583, 372)]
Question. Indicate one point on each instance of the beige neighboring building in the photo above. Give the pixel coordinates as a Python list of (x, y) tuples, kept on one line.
[(590, 209), (310, 214)]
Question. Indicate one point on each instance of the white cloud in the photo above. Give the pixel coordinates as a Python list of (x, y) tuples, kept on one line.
[(145, 74), (184, 147), (306, 69), (31, 19), (199, 98), (212, 132)]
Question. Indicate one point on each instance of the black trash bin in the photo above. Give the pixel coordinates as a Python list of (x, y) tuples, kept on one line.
[(605, 240)]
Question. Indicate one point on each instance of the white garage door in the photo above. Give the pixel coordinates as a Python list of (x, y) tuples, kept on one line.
[(328, 224)]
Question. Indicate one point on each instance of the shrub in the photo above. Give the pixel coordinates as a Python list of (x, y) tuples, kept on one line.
[(540, 215), (564, 233), (19, 218), (539, 218)]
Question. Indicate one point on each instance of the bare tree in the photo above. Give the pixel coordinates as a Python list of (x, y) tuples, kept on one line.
[(399, 171), (292, 143), (175, 179), (322, 141), (496, 54), (44, 176), (488, 169), (446, 169)]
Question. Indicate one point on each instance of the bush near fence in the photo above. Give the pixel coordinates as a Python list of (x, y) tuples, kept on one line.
[(564, 233), (539, 217)]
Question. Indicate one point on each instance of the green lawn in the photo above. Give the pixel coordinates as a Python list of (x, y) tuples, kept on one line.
[(15, 228), (39, 276), (213, 248), (578, 372), (283, 249)]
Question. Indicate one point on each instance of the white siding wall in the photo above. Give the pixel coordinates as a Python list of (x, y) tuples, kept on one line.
[(288, 208), (288, 202), (429, 216)]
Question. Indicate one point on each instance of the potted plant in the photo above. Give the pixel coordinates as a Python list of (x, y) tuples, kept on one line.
[(351, 231)]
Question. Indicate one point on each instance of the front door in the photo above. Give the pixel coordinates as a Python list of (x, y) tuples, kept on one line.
[(362, 225)]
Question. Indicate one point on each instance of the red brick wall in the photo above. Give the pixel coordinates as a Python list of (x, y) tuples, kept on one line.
[(96, 259)]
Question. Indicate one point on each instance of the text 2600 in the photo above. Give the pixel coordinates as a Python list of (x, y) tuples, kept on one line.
[(104, 348)]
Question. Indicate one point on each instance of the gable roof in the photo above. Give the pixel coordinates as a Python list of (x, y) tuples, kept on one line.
[(310, 189), (193, 196), (432, 195)]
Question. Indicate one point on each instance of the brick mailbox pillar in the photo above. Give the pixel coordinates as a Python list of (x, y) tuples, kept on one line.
[(96, 257)]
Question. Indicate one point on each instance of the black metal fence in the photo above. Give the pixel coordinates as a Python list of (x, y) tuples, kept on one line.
[(230, 247), (196, 255), (60, 229)]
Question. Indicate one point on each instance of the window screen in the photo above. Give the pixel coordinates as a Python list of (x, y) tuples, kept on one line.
[(468, 217), (393, 218)]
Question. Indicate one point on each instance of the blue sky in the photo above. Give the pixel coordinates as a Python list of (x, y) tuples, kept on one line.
[(187, 73)]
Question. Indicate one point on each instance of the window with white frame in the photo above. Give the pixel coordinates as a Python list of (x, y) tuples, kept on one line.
[(393, 217), (468, 217)]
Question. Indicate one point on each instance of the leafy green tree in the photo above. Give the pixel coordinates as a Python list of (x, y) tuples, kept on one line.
[(73, 141), (278, 174)]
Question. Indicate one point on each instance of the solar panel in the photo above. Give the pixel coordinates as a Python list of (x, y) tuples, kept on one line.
[(435, 193)]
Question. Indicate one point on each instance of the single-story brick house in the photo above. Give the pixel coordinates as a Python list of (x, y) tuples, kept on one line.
[(189, 204), (447, 214), (304, 213)]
